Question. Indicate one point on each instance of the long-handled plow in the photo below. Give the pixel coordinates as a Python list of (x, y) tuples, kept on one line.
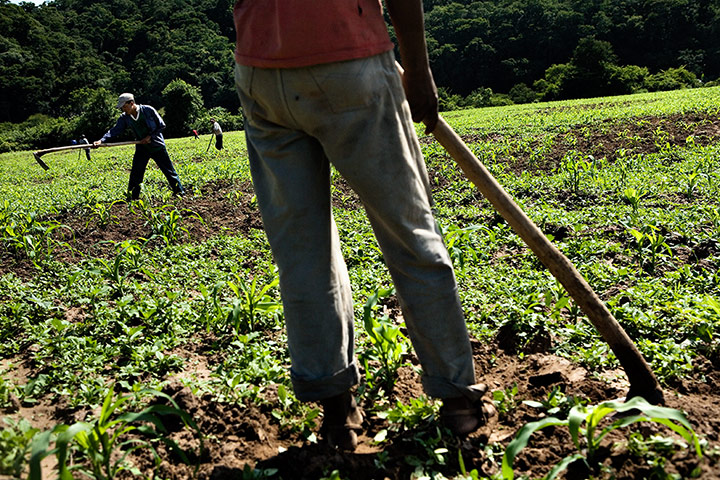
[(40, 153), (642, 380)]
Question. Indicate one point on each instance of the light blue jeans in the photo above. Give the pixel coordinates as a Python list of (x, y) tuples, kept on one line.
[(352, 115)]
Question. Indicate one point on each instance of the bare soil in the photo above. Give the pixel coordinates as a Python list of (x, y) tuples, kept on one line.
[(238, 437)]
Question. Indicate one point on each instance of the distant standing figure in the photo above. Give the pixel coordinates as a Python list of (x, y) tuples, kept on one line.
[(196, 134), (218, 134), (147, 125), (83, 139)]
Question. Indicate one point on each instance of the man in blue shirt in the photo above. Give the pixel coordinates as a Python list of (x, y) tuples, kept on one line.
[(147, 126)]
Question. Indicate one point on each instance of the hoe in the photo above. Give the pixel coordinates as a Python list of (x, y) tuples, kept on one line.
[(40, 153), (642, 380)]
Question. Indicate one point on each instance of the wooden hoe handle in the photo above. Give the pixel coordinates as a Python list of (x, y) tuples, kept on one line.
[(84, 145), (642, 380), (40, 153)]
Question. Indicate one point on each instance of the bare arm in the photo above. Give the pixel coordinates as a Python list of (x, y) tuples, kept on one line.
[(407, 18)]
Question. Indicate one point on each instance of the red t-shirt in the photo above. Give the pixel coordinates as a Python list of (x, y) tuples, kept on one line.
[(300, 33)]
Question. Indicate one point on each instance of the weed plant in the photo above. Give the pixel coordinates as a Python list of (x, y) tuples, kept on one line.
[(587, 431)]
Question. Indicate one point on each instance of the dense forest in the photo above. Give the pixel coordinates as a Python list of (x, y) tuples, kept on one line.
[(500, 44), (69, 58)]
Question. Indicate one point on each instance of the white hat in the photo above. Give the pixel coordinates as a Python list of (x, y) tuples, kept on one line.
[(124, 98)]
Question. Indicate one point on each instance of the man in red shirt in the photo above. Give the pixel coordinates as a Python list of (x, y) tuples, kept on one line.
[(319, 86)]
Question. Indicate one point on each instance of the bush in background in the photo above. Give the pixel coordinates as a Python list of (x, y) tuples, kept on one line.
[(38, 131), (228, 122), (672, 79), (183, 107)]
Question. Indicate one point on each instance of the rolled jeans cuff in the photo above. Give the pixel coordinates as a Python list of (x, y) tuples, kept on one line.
[(314, 390), (437, 387)]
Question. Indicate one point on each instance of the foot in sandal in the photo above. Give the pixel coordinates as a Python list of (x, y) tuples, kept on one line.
[(464, 415), (342, 420)]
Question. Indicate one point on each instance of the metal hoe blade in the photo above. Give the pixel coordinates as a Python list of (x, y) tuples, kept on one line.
[(40, 161)]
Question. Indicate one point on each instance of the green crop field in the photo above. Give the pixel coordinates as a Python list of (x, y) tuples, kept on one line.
[(146, 339)]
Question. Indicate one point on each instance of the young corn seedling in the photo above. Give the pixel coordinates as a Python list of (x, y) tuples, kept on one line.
[(458, 241), (104, 443), (211, 311), (115, 272), (252, 304), (164, 221), (650, 246), (584, 425), (575, 169), (555, 403), (387, 345), (102, 212), (25, 234), (689, 183), (632, 197)]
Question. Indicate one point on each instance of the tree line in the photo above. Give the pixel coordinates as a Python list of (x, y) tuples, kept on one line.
[(560, 49), (62, 63)]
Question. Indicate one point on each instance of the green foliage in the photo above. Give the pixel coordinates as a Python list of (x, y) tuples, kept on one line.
[(672, 79), (253, 304), (417, 412), (480, 97), (587, 439), (628, 78), (556, 403), (15, 442), (448, 101), (593, 72), (227, 120), (654, 451), (26, 235), (670, 361), (102, 213), (295, 416), (8, 392), (632, 197), (60, 47), (118, 270), (95, 111), (39, 131), (650, 246), (505, 401), (387, 345), (471, 44), (183, 107), (458, 241), (106, 441), (521, 93), (164, 221)]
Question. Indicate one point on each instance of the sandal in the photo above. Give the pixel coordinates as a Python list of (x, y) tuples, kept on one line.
[(343, 419), (464, 415)]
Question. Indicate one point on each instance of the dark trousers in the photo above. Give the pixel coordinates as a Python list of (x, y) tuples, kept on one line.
[(162, 160), (218, 142)]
